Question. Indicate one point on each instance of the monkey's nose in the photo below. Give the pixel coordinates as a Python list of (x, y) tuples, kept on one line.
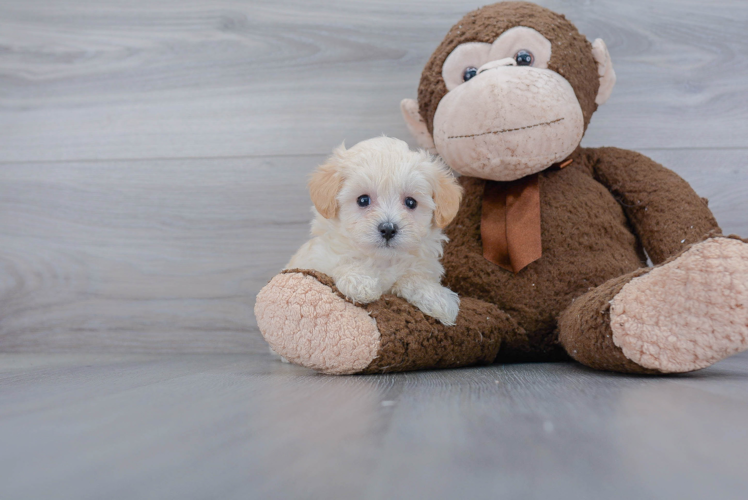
[(388, 230), (507, 61)]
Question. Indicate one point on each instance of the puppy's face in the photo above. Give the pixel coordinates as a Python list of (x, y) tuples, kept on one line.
[(385, 196)]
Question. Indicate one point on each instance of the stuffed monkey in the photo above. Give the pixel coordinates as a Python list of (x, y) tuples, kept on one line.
[(547, 251)]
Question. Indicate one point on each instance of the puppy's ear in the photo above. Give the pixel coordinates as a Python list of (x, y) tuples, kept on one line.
[(447, 196), (325, 183)]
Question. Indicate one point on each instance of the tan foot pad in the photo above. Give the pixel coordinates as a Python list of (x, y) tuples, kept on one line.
[(311, 325), (686, 314)]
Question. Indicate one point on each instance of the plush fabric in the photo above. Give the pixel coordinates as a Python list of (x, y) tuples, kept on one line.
[(307, 321), (688, 313), (590, 296), (664, 212), (416, 125), (411, 340), (584, 329), (511, 125), (571, 52), (605, 70), (575, 210)]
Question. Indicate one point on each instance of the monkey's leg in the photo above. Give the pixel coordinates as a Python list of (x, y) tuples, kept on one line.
[(306, 320), (683, 315)]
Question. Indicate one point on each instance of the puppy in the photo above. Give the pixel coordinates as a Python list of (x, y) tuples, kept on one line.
[(378, 213)]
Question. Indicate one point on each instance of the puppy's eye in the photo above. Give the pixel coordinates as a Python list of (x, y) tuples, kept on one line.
[(524, 58), (363, 200), (469, 73), (411, 203)]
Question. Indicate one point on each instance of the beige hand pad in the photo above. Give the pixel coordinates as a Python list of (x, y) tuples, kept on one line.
[(686, 314), (309, 325)]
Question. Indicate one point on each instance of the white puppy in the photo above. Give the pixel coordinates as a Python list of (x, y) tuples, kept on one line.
[(379, 208)]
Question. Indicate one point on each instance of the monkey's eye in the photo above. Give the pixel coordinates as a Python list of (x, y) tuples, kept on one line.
[(411, 203), (524, 58), (363, 200), (469, 72)]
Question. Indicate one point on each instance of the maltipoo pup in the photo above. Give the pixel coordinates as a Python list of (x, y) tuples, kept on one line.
[(379, 210)]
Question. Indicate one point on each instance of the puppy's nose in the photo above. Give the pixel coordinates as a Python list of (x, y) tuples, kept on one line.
[(388, 230)]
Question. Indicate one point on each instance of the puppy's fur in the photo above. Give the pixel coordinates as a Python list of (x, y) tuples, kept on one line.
[(348, 241)]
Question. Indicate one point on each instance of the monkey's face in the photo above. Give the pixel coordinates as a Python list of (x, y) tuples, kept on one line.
[(501, 100), (506, 115)]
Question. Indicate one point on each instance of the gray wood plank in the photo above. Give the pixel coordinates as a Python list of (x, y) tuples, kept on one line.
[(246, 426), (153, 158), (168, 255), (162, 255), (161, 79)]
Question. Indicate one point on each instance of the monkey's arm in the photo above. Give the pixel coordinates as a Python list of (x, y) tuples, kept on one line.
[(665, 212)]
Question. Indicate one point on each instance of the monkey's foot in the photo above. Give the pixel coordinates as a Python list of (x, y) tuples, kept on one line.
[(306, 320), (687, 313)]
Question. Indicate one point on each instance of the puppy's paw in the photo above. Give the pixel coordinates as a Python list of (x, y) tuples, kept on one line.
[(435, 300), (359, 288), (446, 306)]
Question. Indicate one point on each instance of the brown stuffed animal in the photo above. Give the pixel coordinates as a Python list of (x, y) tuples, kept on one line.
[(548, 249)]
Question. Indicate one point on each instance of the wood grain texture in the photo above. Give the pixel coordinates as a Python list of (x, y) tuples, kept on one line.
[(153, 159), (225, 78), (149, 255), (168, 255), (236, 426), (137, 211)]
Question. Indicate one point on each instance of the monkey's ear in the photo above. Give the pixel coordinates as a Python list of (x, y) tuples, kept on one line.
[(447, 196), (416, 125), (604, 70), (325, 183)]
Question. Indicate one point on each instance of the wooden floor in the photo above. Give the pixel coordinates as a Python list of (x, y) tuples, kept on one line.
[(225, 426), (153, 158)]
